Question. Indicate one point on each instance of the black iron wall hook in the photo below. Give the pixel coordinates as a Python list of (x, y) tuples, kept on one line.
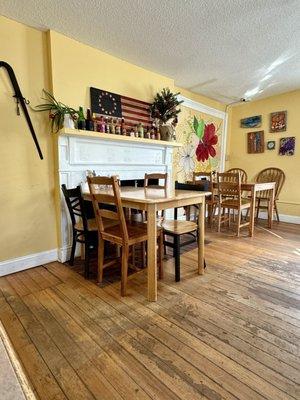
[(20, 99)]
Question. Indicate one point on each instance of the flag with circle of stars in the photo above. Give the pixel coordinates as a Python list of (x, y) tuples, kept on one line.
[(105, 103)]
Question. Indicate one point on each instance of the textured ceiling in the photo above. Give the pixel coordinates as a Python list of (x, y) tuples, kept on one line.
[(225, 49)]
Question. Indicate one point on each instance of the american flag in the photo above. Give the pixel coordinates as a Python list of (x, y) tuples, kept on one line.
[(116, 106)]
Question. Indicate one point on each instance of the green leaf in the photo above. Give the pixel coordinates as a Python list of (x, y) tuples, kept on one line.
[(195, 125), (200, 129)]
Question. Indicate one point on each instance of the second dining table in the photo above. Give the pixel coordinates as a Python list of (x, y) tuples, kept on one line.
[(151, 201), (253, 188)]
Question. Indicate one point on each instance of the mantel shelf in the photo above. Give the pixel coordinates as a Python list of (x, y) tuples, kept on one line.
[(119, 138)]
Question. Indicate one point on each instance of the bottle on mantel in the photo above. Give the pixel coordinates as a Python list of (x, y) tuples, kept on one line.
[(81, 119), (89, 123), (123, 127), (118, 127)]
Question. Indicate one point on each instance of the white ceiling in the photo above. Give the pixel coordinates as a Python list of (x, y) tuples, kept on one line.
[(225, 49)]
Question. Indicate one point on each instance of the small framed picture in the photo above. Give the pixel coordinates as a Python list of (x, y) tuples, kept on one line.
[(278, 121), (271, 145), (287, 146), (256, 142), (251, 122)]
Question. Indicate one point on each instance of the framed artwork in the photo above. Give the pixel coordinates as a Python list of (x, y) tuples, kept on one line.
[(278, 121), (256, 142), (287, 146), (271, 145), (251, 122)]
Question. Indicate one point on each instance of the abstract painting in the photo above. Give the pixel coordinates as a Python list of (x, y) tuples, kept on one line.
[(287, 146), (271, 145), (251, 122), (278, 121), (256, 143)]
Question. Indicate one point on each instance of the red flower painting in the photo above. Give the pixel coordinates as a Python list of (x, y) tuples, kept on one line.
[(205, 147)]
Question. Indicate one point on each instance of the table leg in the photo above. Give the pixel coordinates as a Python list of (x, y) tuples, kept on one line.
[(152, 254), (201, 225), (252, 210), (271, 209)]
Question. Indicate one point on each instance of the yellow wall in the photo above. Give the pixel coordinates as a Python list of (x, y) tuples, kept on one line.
[(50, 60), (237, 145), (26, 186), (76, 67)]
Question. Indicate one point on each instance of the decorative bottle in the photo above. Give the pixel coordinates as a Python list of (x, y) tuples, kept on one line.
[(112, 126), (118, 127), (89, 123), (123, 128), (106, 125), (102, 124), (140, 129), (81, 119)]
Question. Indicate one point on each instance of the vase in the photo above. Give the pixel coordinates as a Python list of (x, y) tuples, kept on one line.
[(68, 122), (167, 132)]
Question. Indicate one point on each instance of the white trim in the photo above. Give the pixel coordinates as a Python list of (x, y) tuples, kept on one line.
[(25, 262), (195, 105), (291, 219), (224, 143), (64, 253), (215, 113)]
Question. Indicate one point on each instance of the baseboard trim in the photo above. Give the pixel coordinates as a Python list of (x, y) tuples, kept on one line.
[(291, 219), (26, 262), (64, 253)]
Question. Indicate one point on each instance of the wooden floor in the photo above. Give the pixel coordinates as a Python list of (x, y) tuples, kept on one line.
[(230, 334)]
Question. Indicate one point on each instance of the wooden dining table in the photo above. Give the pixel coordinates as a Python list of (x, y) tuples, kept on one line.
[(253, 188), (153, 200)]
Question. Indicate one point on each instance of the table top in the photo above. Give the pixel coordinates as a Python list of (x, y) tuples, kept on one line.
[(151, 195), (247, 185)]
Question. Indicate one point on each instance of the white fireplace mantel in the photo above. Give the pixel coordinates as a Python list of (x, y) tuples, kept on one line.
[(107, 154)]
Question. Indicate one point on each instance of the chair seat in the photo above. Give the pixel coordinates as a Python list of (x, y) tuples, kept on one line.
[(92, 224), (137, 232), (179, 227), (232, 203)]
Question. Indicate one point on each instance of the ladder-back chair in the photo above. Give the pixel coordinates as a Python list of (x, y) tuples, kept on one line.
[(84, 229), (270, 174), (123, 233), (210, 201), (230, 198)]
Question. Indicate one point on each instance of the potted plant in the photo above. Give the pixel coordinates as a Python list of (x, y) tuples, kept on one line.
[(164, 110), (60, 114)]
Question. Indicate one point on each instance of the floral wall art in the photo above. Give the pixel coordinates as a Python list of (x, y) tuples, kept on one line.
[(201, 137)]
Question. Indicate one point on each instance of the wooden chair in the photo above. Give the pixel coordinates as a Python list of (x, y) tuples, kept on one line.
[(269, 175), (176, 228), (211, 201), (149, 178), (243, 173), (123, 233), (152, 181), (230, 198), (84, 229)]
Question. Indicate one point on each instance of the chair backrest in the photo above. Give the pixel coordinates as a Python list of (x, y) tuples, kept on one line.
[(108, 196), (271, 174), (75, 204), (229, 185), (199, 177), (157, 177), (242, 172)]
